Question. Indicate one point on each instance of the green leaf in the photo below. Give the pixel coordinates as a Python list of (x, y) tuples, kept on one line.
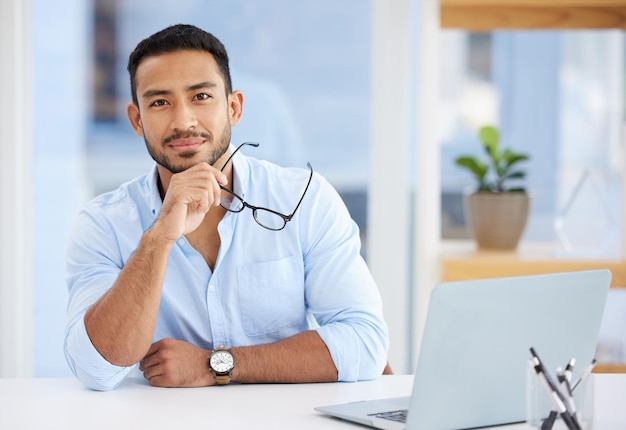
[(511, 157), (515, 175), (490, 137), (477, 167)]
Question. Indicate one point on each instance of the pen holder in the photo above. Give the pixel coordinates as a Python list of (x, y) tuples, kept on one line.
[(541, 412)]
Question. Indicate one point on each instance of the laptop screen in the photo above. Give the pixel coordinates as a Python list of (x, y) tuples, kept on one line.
[(474, 354)]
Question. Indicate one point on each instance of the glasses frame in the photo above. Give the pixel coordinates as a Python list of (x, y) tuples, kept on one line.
[(285, 218)]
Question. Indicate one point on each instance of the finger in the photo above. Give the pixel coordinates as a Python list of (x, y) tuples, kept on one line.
[(154, 348), (145, 363), (221, 178), (198, 205), (195, 196), (212, 184), (153, 373), (217, 195), (213, 180), (148, 362), (161, 381), (149, 359), (208, 189)]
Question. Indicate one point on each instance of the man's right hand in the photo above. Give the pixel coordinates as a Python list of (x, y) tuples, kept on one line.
[(189, 196)]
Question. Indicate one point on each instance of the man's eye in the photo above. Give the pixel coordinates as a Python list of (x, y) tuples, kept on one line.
[(158, 103), (202, 96)]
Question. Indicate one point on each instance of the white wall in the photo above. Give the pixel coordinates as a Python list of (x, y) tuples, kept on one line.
[(388, 191), (16, 193), (404, 168), (427, 207)]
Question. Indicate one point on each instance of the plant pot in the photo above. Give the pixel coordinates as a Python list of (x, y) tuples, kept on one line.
[(496, 220)]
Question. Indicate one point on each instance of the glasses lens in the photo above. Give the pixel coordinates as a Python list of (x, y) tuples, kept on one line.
[(269, 219), (230, 201)]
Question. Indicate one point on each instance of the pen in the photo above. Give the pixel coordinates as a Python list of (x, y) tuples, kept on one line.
[(553, 392), (569, 369), (548, 423), (566, 391), (583, 375)]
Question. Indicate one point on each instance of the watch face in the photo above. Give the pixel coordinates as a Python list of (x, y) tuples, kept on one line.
[(222, 361)]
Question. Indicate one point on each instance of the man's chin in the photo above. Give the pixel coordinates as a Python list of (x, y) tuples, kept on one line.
[(185, 164)]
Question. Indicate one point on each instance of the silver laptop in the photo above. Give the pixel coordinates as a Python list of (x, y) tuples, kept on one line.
[(471, 370)]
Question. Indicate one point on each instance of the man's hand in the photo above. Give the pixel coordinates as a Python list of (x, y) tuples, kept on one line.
[(190, 195), (175, 363)]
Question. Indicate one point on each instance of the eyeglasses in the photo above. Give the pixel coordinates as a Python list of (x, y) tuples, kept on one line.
[(265, 217)]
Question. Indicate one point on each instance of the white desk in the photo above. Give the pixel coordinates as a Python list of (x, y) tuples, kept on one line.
[(66, 404)]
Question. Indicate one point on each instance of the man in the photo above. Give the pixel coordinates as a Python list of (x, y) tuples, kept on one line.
[(215, 267)]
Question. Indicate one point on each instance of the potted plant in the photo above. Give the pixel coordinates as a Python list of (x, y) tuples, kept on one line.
[(497, 209)]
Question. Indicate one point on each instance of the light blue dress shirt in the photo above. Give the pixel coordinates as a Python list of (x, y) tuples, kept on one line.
[(266, 285)]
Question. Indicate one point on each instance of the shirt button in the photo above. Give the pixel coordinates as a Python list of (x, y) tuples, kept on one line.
[(211, 288), (181, 242)]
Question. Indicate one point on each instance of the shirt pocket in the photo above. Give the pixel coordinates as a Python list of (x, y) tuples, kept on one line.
[(271, 295)]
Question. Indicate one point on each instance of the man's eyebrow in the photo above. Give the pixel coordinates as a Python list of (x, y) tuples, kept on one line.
[(202, 85), (152, 93)]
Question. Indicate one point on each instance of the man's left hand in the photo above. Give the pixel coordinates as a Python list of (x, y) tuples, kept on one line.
[(175, 363)]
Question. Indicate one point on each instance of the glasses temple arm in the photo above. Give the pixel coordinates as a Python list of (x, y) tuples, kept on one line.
[(304, 193), (255, 144)]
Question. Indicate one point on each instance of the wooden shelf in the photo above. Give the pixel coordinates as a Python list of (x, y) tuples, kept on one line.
[(488, 15), (460, 261), (609, 368)]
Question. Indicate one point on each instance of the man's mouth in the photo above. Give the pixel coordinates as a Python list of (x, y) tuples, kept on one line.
[(186, 144)]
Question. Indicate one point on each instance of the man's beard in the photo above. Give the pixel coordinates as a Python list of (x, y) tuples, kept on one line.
[(214, 154)]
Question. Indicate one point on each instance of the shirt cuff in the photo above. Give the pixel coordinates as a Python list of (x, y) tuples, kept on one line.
[(87, 363), (355, 360)]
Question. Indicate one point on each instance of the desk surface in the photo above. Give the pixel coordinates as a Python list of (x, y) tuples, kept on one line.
[(66, 404)]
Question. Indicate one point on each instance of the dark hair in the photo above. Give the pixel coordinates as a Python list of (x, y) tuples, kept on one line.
[(177, 38)]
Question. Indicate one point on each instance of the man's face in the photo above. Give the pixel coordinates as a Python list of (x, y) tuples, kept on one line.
[(184, 113)]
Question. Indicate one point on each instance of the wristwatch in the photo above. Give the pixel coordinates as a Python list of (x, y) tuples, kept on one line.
[(221, 363)]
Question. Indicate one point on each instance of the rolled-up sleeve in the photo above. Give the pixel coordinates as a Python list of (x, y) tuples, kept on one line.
[(341, 292), (93, 264), (87, 363)]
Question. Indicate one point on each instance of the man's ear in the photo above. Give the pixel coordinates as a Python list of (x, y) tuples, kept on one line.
[(235, 106), (132, 111)]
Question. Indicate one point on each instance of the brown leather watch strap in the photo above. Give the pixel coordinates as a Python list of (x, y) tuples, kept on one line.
[(222, 379)]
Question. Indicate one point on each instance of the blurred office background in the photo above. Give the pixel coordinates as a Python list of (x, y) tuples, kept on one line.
[(306, 69)]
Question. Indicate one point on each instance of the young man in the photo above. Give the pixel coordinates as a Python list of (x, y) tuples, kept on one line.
[(212, 269)]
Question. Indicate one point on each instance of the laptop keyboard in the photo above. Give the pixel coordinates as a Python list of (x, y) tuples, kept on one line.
[(399, 415)]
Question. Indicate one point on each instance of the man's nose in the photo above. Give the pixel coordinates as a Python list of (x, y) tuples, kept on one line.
[(184, 118)]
